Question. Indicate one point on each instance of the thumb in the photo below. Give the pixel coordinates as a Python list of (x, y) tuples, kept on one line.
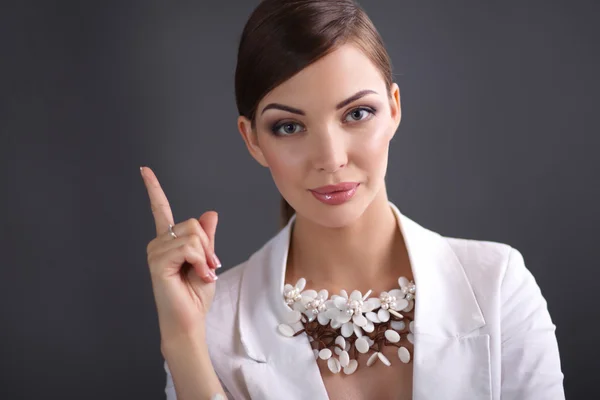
[(208, 222)]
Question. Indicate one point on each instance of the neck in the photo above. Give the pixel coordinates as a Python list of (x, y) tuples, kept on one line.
[(367, 254)]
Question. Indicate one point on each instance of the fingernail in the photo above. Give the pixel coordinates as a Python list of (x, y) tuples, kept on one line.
[(217, 261), (213, 277), (142, 172)]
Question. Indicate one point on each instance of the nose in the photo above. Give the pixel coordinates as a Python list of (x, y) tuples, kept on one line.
[(329, 151)]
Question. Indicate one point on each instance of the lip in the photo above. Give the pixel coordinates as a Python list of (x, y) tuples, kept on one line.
[(340, 187), (335, 194)]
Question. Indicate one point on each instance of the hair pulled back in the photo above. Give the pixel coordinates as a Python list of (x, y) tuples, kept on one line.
[(282, 37)]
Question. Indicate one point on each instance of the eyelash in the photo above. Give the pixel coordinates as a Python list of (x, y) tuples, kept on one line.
[(275, 128)]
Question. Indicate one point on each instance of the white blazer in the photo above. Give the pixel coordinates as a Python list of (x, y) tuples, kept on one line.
[(482, 328)]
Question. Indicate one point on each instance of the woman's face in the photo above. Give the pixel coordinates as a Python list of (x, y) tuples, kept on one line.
[(321, 139)]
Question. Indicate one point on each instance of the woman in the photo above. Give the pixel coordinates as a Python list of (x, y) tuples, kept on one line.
[(351, 299)]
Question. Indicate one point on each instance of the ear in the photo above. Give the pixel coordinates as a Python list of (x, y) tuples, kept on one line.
[(250, 137), (395, 108)]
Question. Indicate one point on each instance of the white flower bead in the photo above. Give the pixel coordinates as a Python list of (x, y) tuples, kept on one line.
[(372, 359), (400, 304), (334, 365), (325, 354), (383, 315), (362, 345), (286, 330), (371, 316), (352, 365), (392, 336), (384, 359), (301, 284), (404, 354), (398, 325), (344, 359), (403, 282), (323, 319), (347, 329), (359, 320)]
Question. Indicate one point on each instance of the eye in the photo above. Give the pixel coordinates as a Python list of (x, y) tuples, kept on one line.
[(361, 111), (288, 128), (284, 128)]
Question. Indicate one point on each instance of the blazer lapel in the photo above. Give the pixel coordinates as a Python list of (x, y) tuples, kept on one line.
[(450, 361), (284, 367), (446, 317)]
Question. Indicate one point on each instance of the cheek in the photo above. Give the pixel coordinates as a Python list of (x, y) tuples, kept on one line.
[(284, 161), (370, 149)]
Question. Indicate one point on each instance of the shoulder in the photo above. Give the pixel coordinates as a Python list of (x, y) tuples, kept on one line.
[(490, 266), (501, 281), (480, 256), (517, 318)]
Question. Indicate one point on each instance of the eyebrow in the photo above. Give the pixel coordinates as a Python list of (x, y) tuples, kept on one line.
[(341, 104)]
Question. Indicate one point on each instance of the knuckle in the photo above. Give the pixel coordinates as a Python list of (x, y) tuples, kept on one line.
[(195, 241), (193, 251), (191, 221), (155, 207), (188, 248), (194, 226)]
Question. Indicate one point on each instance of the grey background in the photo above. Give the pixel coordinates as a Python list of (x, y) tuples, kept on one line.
[(499, 141)]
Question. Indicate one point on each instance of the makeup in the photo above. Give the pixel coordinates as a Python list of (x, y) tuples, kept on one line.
[(335, 194)]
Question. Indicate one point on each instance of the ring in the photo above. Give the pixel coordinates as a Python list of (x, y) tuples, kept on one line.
[(171, 231)]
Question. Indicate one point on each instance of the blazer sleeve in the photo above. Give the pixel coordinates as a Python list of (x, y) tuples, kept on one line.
[(530, 359), (170, 387)]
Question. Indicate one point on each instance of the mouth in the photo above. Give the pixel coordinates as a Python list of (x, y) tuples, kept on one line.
[(334, 195), (340, 187)]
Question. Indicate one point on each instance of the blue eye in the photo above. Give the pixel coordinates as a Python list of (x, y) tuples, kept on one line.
[(286, 128), (359, 110)]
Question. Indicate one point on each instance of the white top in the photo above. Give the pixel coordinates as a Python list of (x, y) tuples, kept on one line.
[(482, 328)]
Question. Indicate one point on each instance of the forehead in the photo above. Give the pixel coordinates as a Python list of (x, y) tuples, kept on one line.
[(329, 80)]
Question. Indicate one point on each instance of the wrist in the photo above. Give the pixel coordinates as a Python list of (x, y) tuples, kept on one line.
[(171, 332), (191, 368), (191, 341)]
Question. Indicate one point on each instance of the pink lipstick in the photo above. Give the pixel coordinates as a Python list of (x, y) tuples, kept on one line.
[(335, 194)]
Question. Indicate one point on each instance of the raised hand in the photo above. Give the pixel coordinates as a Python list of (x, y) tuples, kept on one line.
[(182, 265)]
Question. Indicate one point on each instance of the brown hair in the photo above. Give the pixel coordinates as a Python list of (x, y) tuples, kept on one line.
[(282, 37)]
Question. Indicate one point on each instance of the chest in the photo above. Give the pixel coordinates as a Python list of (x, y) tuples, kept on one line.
[(377, 381)]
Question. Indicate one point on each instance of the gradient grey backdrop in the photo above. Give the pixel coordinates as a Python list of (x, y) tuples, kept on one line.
[(498, 141)]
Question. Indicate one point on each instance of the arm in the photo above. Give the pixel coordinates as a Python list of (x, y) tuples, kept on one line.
[(530, 360), (190, 374), (182, 263)]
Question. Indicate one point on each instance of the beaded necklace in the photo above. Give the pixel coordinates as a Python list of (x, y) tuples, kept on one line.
[(341, 326)]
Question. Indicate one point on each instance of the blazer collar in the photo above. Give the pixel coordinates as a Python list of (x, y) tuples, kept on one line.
[(446, 305)]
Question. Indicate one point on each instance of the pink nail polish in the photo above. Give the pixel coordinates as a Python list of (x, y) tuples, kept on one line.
[(211, 275), (217, 261)]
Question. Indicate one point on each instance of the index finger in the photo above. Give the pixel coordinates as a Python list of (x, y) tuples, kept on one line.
[(163, 216)]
